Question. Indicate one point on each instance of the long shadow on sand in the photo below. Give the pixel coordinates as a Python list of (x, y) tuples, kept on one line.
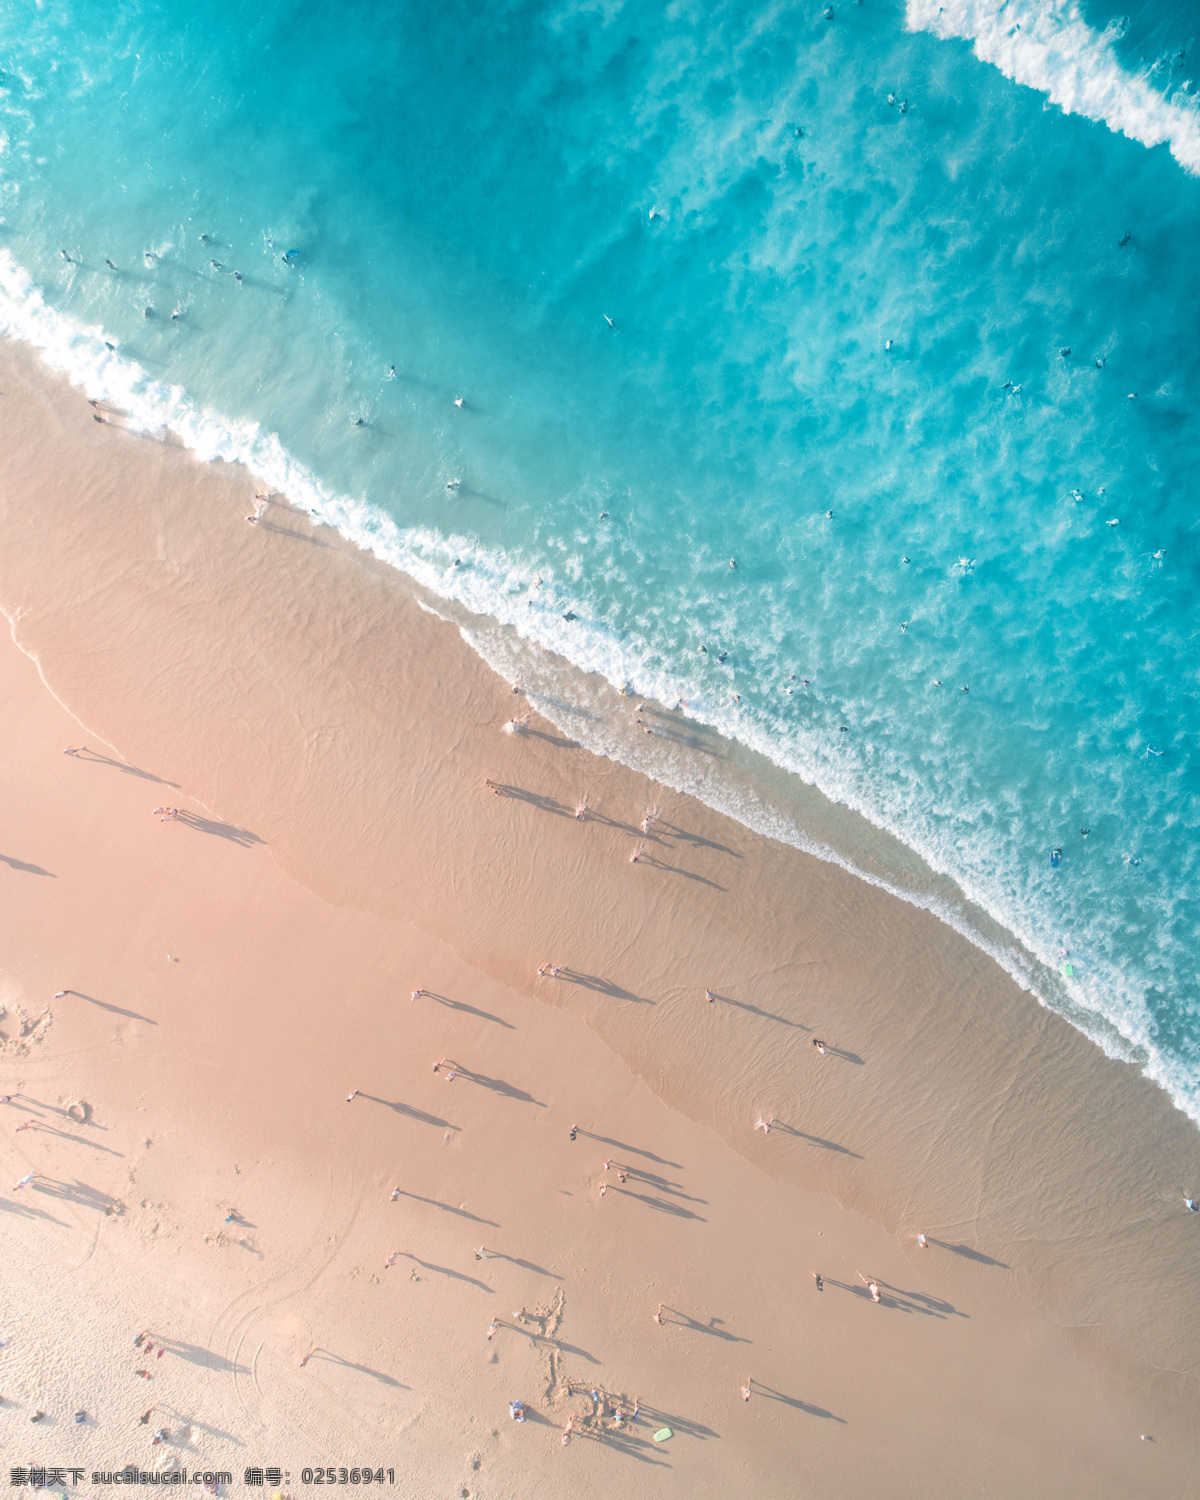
[(526, 1265), (534, 799), (207, 1359), (407, 1109), (448, 1208), (600, 985), (551, 1342), (64, 1113), (27, 1211), (469, 1010), (560, 742), (902, 1301), (672, 830), (815, 1140), (625, 1441), (185, 1420), (297, 536), (968, 1253), (758, 1389), (661, 1184), (82, 1140), (662, 1205), (606, 822), (661, 864), (117, 1010), (80, 1193), (767, 1015), (608, 1140), (230, 831), (656, 1417), (499, 1086), (107, 760), (429, 1265), (679, 1319), (348, 1364), (25, 868)]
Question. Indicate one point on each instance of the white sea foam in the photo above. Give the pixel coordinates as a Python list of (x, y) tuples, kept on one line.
[(493, 584), (1048, 46)]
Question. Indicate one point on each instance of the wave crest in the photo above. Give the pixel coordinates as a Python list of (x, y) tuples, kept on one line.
[(1048, 46)]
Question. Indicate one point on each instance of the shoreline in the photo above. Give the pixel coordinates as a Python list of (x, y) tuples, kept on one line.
[(296, 688), (767, 796)]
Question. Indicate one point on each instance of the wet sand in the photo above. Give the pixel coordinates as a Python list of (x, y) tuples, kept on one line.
[(326, 739)]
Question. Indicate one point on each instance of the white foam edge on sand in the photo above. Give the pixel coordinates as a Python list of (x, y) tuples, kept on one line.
[(499, 587)]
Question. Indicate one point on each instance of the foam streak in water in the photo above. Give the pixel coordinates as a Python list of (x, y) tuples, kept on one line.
[(1047, 45)]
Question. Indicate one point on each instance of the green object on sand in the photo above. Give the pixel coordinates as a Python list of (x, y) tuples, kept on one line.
[(1069, 970), (663, 1434)]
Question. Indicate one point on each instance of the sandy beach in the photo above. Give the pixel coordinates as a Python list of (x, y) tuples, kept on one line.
[(232, 974)]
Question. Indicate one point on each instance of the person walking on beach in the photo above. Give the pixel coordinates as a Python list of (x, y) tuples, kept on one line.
[(922, 1242), (658, 1314), (492, 1329), (820, 1280), (820, 1046), (308, 1356), (416, 995), (746, 1390), (871, 1285), (709, 996)]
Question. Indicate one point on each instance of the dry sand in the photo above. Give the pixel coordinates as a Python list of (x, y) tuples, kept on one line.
[(236, 972)]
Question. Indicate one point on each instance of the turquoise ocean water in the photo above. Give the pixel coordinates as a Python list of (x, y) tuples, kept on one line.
[(904, 305)]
